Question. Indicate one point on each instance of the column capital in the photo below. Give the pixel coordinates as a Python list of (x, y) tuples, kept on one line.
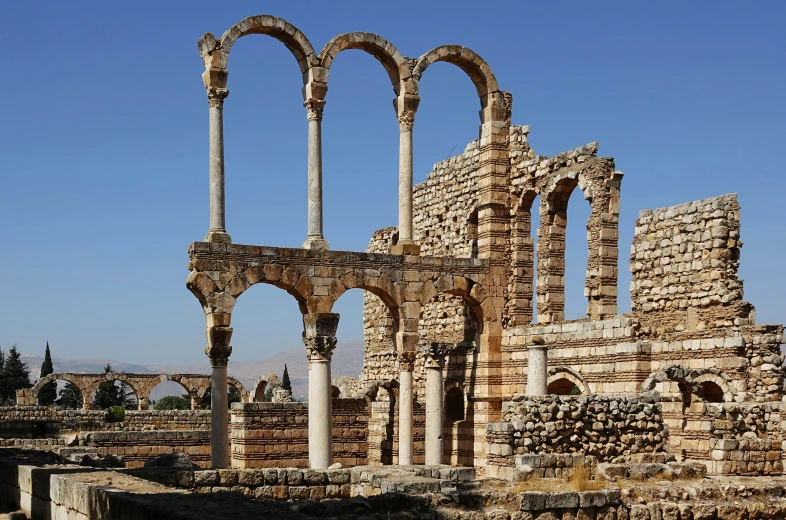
[(320, 348), (219, 355), (314, 108), (216, 96), (434, 356), (406, 360), (406, 120)]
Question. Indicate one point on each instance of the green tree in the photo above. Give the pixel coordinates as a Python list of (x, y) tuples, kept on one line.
[(232, 397), (70, 397), (286, 384), (174, 402), (48, 393), (268, 395), (112, 393), (15, 375)]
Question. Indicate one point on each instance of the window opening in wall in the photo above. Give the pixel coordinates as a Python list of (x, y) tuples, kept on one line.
[(563, 386), (454, 405), (576, 256), (535, 234), (711, 392), (472, 233)]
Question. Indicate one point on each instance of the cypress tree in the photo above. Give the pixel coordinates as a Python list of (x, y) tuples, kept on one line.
[(15, 375), (48, 393), (286, 384)]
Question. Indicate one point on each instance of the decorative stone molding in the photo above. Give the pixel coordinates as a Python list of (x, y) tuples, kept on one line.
[(406, 360), (219, 355), (406, 121), (216, 96), (320, 347), (314, 107)]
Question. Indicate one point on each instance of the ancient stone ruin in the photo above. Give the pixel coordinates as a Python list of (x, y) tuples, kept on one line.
[(471, 370)]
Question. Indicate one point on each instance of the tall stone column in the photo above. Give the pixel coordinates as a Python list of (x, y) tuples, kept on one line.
[(315, 238), (537, 367), (406, 106), (217, 231), (319, 337), (218, 351), (406, 363), (434, 385)]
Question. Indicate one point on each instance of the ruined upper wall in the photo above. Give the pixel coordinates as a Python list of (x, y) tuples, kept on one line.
[(684, 261)]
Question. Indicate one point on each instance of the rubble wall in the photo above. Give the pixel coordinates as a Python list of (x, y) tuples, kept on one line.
[(684, 265), (604, 427)]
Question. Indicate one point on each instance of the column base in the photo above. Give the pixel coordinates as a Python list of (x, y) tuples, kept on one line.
[(407, 247), (218, 237), (316, 243)]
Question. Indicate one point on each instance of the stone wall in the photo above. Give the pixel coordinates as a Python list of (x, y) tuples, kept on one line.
[(139, 446), (684, 262), (605, 427), (266, 435), (20, 421)]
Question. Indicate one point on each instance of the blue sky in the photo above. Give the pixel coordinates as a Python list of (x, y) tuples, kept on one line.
[(103, 146)]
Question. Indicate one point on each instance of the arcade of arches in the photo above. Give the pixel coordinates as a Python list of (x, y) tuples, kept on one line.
[(451, 291)]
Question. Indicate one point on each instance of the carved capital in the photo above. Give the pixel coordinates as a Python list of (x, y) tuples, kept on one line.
[(216, 96), (406, 120), (435, 353), (219, 355), (320, 347), (406, 360), (314, 108)]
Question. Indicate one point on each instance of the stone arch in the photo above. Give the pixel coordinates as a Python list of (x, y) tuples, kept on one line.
[(692, 380), (241, 390), (380, 286), (385, 52), (278, 28), (135, 385), (467, 60), (264, 382), (568, 374), (154, 382), (74, 379), (719, 380)]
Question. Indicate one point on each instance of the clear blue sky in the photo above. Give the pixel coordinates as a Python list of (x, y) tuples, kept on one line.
[(103, 146)]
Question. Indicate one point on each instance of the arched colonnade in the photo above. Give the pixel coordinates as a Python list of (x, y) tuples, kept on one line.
[(405, 74), (196, 385), (221, 273)]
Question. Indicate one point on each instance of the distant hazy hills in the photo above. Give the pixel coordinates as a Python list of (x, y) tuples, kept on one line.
[(347, 361)]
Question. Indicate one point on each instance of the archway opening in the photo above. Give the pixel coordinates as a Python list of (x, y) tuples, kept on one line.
[(454, 405), (111, 393), (563, 386), (711, 392), (267, 334), (366, 163), (576, 256), (256, 175), (69, 396), (233, 396), (534, 234), (169, 395)]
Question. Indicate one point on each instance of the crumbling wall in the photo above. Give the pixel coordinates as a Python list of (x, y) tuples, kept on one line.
[(684, 264), (605, 427)]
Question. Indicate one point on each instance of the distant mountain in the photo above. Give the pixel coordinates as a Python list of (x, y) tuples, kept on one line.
[(347, 361), (82, 366)]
